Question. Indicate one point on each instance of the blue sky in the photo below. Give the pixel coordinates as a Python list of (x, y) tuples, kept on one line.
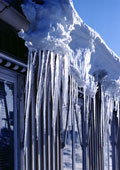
[(104, 17)]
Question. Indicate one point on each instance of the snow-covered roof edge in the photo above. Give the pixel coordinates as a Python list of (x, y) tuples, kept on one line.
[(57, 27)]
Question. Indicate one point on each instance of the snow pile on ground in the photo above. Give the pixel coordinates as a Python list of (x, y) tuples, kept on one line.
[(56, 26)]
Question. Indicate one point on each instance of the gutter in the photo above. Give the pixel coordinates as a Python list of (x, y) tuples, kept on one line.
[(12, 17), (11, 63), (12, 60)]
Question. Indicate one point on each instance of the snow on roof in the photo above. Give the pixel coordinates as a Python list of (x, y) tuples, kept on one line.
[(57, 27)]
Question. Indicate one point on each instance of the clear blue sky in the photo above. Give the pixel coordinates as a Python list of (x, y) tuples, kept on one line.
[(104, 17)]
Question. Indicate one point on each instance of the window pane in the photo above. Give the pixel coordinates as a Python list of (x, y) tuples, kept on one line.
[(6, 125)]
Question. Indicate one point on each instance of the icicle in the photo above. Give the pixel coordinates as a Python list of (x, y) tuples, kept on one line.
[(40, 92), (38, 109), (29, 85), (44, 112), (94, 110), (102, 112), (78, 115), (56, 89), (65, 74), (84, 94), (40, 63), (87, 117), (73, 121), (55, 104), (28, 98), (27, 77), (118, 112), (34, 149), (52, 62), (49, 120)]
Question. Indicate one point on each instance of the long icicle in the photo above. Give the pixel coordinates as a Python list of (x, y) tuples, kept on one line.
[(38, 110), (44, 113), (28, 99)]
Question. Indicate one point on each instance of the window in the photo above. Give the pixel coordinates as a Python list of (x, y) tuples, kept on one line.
[(6, 124), (10, 119)]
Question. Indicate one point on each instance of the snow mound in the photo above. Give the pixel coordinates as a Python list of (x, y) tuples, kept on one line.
[(57, 27)]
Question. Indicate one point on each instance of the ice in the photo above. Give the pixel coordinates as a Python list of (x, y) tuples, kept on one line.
[(77, 86)]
